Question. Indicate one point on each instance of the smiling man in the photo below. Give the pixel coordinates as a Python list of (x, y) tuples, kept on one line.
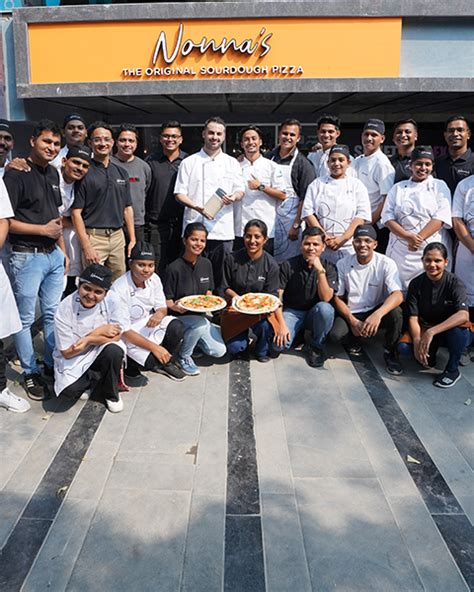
[(297, 173), (368, 298), (74, 132), (163, 214), (102, 205), (458, 163), (405, 135), (6, 144), (199, 176), (37, 259), (139, 173)]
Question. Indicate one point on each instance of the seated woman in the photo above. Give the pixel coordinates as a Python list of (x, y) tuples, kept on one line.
[(251, 270), (153, 338), (416, 212), (438, 314), (87, 329), (189, 275)]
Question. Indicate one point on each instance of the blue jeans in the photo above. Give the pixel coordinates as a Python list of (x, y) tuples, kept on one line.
[(240, 342), (199, 331), (456, 340), (318, 320), (33, 275)]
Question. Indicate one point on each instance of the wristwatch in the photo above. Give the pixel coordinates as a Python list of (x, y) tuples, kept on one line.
[(261, 187), (322, 271), (296, 225)]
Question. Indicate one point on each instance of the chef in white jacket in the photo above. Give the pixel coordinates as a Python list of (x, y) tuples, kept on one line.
[(87, 327), (417, 212), (153, 337), (463, 223)]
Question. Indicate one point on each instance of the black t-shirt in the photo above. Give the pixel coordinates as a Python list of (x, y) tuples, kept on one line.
[(185, 279), (35, 197), (300, 284), (243, 275), (302, 173), (434, 302), (401, 164), (452, 171), (103, 195), (160, 204)]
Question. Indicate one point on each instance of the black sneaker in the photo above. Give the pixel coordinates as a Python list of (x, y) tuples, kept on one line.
[(171, 370), (315, 357), (392, 363), (136, 380), (447, 379), (263, 359), (48, 372), (355, 349), (34, 387)]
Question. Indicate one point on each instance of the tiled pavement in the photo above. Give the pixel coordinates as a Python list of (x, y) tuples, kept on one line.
[(250, 477)]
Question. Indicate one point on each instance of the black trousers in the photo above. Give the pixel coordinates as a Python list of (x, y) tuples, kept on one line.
[(172, 342), (383, 234), (166, 240), (3, 366), (392, 323), (108, 364), (216, 251)]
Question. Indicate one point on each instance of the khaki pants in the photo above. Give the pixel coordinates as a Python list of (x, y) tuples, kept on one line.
[(111, 251)]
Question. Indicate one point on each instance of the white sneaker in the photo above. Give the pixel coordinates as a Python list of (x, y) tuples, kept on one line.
[(13, 403), (86, 395), (114, 406)]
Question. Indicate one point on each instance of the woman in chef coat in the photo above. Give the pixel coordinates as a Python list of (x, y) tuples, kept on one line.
[(9, 319), (87, 327), (463, 224), (337, 203), (153, 337), (417, 212)]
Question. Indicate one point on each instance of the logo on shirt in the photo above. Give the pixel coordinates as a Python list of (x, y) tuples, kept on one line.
[(121, 181), (203, 279), (55, 187), (261, 278)]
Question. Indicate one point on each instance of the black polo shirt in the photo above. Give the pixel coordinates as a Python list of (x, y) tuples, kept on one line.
[(452, 171), (35, 197), (161, 204), (300, 283), (243, 275), (434, 302), (302, 173), (103, 194), (401, 164), (185, 279)]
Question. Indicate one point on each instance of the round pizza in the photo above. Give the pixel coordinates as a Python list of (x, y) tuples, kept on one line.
[(203, 303), (257, 303)]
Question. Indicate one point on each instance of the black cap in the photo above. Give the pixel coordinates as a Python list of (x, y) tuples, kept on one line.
[(422, 152), (79, 152), (97, 274), (5, 126), (73, 117), (376, 125), (341, 149), (144, 251), (365, 230)]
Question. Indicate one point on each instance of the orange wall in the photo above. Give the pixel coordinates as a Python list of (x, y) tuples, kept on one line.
[(323, 47)]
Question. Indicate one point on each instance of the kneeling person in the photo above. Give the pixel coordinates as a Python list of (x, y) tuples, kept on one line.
[(88, 329), (153, 338), (307, 286), (371, 286)]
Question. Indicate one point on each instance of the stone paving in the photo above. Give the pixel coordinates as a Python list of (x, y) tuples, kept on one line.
[(250, 477)]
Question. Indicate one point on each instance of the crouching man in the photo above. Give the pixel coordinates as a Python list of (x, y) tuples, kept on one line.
[(88, 328), (371, 288), (153, 338)]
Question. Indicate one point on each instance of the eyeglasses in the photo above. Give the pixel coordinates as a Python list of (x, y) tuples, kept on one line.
[(170, 136), (104, 139)]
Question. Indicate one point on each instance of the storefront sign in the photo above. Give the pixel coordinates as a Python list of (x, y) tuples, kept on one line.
[(214, 48)]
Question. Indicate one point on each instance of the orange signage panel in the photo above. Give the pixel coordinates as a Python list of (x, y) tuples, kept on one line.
[(215, 48)]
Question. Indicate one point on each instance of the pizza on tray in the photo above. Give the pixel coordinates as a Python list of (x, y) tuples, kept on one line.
[(257, 303), (203, 303)]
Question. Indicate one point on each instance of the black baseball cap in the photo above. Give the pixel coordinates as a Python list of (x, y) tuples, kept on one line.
[(341, 149), (143, 251), (376, 125), (365, 230), (80, 152), (97, 274), (5, 126), (422, 152), (73, 117)]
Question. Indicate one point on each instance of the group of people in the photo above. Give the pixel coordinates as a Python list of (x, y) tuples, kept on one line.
[(108, 244)]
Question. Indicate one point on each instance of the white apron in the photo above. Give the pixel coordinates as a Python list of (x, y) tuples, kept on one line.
[(414, 208), (83, 321), (71, 240), (283, 247), (464, 267), (9, 319)]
